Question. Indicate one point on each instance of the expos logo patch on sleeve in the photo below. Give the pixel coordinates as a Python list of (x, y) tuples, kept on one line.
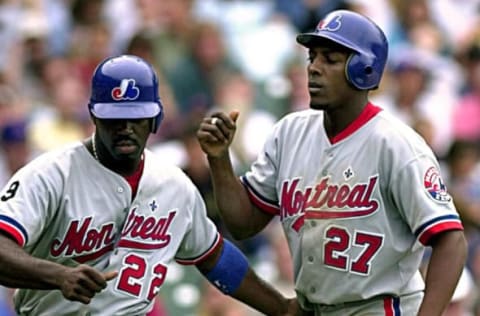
[(435, 186)]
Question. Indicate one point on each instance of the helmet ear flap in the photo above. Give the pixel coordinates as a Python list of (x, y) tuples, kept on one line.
[(360, 70), (157, 120)]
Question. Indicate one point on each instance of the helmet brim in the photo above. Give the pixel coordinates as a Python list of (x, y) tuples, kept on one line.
[(124, 110), (314, 38), (306, 39)]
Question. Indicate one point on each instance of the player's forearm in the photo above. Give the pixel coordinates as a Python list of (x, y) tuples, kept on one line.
[(20, 270), (228, 269), (261, 296), (442, 275), (232, 200)]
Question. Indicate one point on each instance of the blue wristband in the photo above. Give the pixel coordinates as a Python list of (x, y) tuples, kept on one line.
[(230, 270)]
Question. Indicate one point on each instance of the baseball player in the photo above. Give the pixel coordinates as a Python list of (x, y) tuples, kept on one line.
[(98, 223), (359, 194)]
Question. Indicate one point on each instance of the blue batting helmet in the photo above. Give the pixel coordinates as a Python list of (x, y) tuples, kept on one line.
[(358, 33), (125, 87)]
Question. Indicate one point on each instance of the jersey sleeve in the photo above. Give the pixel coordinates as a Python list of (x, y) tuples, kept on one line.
[(27, 202), (260, 181), (202, 237), (422, 197)]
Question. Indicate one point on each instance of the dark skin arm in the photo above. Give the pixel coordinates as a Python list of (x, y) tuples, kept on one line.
[(444, 269), (241, 217), (18, 269), (255, 292)]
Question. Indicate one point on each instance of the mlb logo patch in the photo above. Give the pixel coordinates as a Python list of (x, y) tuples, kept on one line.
[(126, 91), (435, 186)]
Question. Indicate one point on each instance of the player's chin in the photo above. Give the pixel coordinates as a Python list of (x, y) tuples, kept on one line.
[(318, 105), (318, 102), (125, 158)]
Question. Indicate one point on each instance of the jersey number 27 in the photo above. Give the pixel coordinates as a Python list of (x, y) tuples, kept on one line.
[(339, 241)]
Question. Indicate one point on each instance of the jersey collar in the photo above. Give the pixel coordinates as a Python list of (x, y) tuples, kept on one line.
[(366, 115)]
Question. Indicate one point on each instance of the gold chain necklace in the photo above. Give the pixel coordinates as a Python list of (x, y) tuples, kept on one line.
[(94, 147)]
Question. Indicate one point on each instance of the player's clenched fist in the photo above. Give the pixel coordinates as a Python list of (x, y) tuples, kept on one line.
[(82, 282), (216, 133)]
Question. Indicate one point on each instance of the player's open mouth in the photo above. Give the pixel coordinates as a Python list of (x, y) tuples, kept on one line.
[(315, 88)]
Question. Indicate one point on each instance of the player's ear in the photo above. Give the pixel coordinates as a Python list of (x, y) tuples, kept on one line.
[(92, 117)]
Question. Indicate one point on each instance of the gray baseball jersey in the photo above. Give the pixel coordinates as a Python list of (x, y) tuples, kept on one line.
[(68, 208), (355, 209)]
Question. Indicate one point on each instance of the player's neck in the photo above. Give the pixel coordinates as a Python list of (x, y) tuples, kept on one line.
[(337, 119)]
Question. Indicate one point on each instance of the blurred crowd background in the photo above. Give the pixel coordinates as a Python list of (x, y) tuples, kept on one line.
[(239, 54)]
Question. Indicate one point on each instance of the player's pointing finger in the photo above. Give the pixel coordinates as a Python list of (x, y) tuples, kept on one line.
[(110, 275)]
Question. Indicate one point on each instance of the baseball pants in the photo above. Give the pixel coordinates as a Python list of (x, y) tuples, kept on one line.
[(407, 305)]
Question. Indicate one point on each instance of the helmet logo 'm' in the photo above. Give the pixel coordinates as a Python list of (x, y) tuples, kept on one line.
[(126, 91), (332, 24)]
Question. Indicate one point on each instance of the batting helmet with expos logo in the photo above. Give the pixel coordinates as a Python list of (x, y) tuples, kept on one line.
[(358, 33), (125, 87)]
